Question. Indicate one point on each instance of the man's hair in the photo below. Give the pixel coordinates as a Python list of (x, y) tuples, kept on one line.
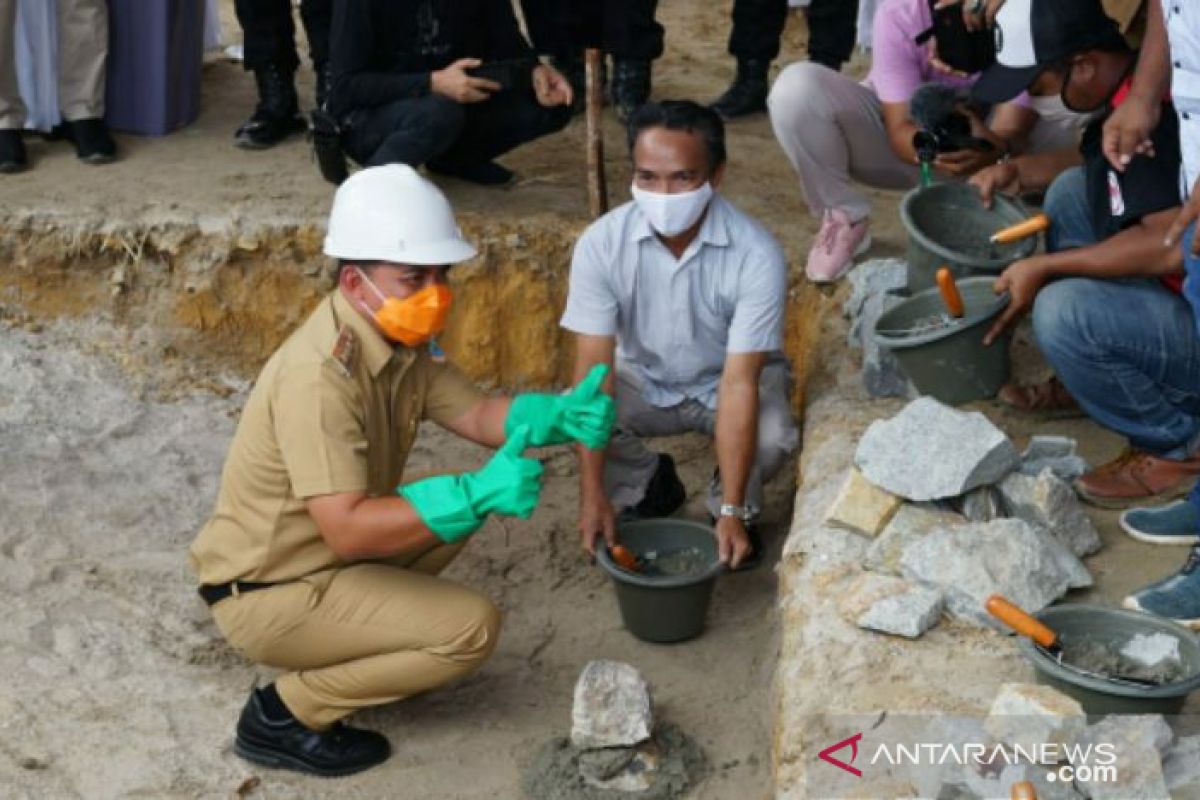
[(682, 115)]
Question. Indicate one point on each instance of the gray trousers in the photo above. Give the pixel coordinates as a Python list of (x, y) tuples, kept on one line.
[(82, 54), (629, 464)]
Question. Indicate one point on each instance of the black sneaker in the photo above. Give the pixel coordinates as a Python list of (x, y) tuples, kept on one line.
[(484, 173), (93, 143), (12, 152), (341, 750), (664, 494), (748, 92), (278, 113), (630, 86)]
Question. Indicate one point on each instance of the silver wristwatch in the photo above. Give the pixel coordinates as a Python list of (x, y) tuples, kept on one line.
[(741, 512)]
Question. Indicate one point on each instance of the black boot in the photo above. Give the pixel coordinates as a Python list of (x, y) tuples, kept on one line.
[(12, 152), (278, 113), (287, 744), (664, 494), (93, 143), (630, 86), (748, 92)]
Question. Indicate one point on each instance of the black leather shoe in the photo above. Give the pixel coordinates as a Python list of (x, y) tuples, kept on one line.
[(93, 143), (12, 152), (630, 86), (664, 494), (278, 113), (341, 750), (324, 83), (748, 92)]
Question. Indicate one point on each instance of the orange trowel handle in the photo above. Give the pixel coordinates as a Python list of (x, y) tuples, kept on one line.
[(950, 294), (1021, 622), (1024, 790), (624, 557), (1015, 233)]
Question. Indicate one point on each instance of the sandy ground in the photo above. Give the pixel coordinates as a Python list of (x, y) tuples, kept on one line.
[(119, 685)]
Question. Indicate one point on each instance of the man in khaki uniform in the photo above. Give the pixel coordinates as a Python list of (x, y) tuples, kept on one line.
[(314, 560)]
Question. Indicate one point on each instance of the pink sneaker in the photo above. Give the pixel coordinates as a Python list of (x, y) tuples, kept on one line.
[(838, 242)]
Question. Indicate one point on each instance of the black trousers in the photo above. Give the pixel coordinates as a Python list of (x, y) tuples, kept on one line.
[(270, 32), (758, 26), (434, 128), (625, 29)]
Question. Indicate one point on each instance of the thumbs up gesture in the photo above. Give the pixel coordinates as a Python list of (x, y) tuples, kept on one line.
[(509, 484), (585, 414)]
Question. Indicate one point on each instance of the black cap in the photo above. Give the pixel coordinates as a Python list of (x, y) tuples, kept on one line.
[(1034, 34)]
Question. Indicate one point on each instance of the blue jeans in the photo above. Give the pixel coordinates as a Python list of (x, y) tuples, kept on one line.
[(1126, 349)]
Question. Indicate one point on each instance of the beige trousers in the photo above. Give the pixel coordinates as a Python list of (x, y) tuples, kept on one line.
[(362, 635), (831, 128), (82, 55)]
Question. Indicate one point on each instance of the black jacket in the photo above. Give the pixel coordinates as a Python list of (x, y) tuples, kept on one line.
[(385, 50)]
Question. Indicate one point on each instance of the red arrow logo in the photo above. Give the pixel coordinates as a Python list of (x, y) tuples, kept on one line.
[(852, 743)]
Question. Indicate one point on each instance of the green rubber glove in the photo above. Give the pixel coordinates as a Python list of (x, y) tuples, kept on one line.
[(585, 414), (454, 506)]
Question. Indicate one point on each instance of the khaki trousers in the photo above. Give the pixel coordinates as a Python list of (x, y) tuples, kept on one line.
[(82, 55), (362, 635)]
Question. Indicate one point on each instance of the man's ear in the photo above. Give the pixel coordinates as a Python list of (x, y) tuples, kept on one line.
[(717, 176)]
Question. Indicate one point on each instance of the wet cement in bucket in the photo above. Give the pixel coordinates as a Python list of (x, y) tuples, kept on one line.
[(555, 772), (1113, 660), (673, 563)]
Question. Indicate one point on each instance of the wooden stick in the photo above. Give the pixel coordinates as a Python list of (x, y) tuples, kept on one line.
[(597, 186)]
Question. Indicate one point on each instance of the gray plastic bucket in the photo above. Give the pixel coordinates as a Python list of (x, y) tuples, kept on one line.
[(951, 364), (1114, 626), (664, 608), (947, 225)]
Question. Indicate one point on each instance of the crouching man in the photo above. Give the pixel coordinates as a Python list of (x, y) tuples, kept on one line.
[(685, 293), (318, 560)]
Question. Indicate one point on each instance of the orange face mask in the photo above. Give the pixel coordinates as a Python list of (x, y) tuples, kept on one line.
[(417, 318)]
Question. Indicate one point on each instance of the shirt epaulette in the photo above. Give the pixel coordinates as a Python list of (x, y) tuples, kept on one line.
[(345, 350)]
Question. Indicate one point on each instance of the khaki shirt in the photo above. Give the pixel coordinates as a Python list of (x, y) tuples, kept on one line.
[(335, 409)]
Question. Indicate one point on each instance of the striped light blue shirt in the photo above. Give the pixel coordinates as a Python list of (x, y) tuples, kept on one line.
[(676, 319)]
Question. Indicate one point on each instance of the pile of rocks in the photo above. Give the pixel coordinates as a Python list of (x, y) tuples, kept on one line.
[(1123, 756), (956, 515)]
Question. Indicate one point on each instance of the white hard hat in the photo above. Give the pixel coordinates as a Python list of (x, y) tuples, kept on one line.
[(391, 213)]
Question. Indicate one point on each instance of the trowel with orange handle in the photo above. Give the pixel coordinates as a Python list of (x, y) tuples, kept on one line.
[(625, 559), (951, 297), (1048, 641), (1022, 230), (1024, 790)]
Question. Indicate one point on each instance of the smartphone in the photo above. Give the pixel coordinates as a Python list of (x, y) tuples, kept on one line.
[(513, 74)]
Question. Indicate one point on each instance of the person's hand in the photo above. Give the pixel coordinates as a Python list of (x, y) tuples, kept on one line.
[(1022, 280), (1002, 177), (551, 87), (585, 414), (596, 520), (733, 544), (936, 62), (509, 484), (977, 14), (1186, 216), (1127, 131), (961, 163), (455, 83)]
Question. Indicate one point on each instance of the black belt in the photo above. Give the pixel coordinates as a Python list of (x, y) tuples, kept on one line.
[(215, 593)]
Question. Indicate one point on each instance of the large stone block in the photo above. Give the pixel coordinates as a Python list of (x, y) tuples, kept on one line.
[(930, 451), (612, 706), (912, 521), (861, 506), (1138, 743), (1007, 556), (891, 605), (1034, 716), (1049, 501)]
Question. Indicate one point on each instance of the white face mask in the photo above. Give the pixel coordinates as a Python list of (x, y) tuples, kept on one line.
[(672, 214)]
